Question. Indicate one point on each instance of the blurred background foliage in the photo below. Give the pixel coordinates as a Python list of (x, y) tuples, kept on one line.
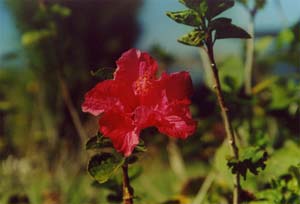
[(43, 131)]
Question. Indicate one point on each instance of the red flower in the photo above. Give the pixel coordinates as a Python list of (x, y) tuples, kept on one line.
[(136, 99)]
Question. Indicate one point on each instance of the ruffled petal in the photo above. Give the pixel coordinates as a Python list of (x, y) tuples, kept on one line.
[(108, 95), (145, 116), (178, 85), (121, 130), (134, 64), (175, 119)]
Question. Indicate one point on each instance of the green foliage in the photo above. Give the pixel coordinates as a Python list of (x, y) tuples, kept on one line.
[(61, 10), (285, 37), (230, 31), (103, 166), (251, 159), (284, 96), (34, 37), (193, 38), (216, 7), (187, 17), (103, 73), (201, 14), (283, 189), (98, 141)]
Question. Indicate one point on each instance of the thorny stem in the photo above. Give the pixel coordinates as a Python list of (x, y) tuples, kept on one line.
[(225, 116), (127, 189)]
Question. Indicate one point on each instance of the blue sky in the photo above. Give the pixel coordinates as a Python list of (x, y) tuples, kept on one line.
[(157, 28)]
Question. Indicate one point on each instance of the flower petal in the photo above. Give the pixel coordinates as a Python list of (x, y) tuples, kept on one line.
[(134, 64), (121, 130), (177, 85), (175, 119), (106, 95)]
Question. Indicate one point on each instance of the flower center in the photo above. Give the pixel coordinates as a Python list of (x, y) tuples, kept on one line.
[(142, 84)]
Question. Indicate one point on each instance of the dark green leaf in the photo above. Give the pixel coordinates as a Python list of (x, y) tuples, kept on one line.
[(132, 159), (187, 17), (251, 160), (194, 38), (103, 73), (102, 166), (215, 7), (219, 23), (231, 31), (98, 142)]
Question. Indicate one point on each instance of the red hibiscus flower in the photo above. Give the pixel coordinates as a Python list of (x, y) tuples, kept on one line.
[(137, 99)]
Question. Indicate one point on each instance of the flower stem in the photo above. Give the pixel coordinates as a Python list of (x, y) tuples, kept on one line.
[(127, 189), (225, 117)]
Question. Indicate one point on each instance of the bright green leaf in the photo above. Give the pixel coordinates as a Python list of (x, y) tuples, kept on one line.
[(195, 38), (61, 10), (103, 166), (285, 37), (35, 36), (187, 17)]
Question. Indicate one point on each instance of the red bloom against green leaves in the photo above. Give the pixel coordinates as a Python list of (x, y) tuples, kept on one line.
[(136, 99)]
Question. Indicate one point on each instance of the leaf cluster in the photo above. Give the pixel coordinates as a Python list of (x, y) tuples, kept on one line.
[(104, 165), (251, 160), (201, 14), (107, 161), (283, 189)]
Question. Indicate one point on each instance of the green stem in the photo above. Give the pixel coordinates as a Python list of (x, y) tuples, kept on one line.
[(204, 188), (225, 117), (249, 57), (127, 189), (176, 160)]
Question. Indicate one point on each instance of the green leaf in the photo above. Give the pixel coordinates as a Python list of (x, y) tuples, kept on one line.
[(285, 37), (140, 147), (260, 4), (102, 166), (61, 10), (231, 31), (215, 7), (251, 160), (36, 36), (98, 142), (200, 6), (103, 73), (187, 17), (194, 38), (219, 23)]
